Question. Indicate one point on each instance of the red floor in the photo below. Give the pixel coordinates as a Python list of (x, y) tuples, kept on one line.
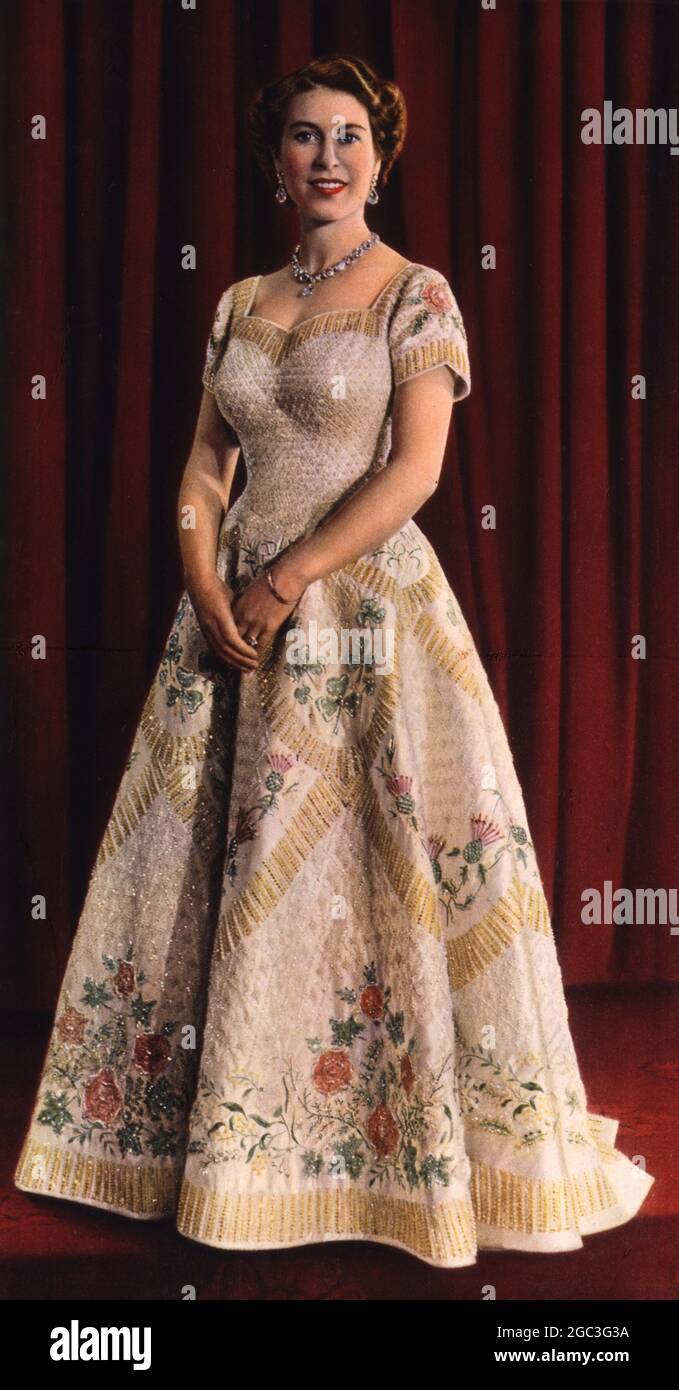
[(627, 1044)]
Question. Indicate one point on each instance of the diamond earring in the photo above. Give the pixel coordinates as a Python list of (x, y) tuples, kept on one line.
[(373, 196), (281, 191)]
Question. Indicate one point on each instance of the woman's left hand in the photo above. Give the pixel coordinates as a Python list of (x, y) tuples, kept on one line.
[(259, 614)]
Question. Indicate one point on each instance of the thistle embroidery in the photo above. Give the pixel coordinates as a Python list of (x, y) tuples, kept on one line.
[(478, 855), (247, 818), (398, 786), (487, 844)]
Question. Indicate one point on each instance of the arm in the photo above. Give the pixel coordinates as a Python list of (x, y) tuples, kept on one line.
[(421, 419), (206, 489)]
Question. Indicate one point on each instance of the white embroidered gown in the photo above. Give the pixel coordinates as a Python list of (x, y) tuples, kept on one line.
[(314, 993)]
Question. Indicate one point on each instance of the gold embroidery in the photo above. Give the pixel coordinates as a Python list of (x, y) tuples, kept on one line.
[(129, 812), (472, 952), (414, 891), (444, 1232), (305, 448), (440, 1232), (342, 763), (272, 879), (278, 342), (537, 1205), (504, 1200), (426, 355), (169, 749), (139, 1191), (409, 599), (454, 662)]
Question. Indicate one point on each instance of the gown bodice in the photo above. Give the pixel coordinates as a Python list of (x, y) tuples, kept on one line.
[(311, 406)]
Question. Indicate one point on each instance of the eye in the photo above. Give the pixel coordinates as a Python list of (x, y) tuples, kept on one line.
[(300, 136)]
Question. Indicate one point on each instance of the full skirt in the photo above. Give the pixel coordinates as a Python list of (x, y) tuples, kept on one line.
[(314, 993)]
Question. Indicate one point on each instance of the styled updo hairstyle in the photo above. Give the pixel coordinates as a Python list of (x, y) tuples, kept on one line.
[(382, 99)]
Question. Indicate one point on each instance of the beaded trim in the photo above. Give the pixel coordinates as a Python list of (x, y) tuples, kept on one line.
[(455, 662), (434, 354), (170, 754), (138, 1191), (278, 342), (443, 1233), (534, 1213), (475, 950)]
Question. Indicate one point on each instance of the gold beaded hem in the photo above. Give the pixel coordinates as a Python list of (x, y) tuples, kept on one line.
[(442, 1233), (504, 1210), (142, 1191)]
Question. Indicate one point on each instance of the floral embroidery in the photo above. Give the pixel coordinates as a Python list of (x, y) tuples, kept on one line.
[(436, 300), (513, 1099), (398, 786), (217, 338), (398, 552), (257, 555), (339, 698), (366, 1107), (105, 1079), (298, 669), (478, 855), (265, 805), (177, 682)]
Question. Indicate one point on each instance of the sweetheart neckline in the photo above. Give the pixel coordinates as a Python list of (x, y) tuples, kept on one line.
[(324, 313)]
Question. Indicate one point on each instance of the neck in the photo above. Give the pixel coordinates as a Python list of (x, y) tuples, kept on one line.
[(324, 243)]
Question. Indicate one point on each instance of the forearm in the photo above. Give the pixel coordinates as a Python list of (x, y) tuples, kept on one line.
[(201, 504), (378, 510)]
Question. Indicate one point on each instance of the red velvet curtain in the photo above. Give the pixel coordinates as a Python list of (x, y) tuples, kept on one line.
[(146, 153)]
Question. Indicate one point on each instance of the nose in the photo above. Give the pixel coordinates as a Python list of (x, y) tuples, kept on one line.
[(326, 157)]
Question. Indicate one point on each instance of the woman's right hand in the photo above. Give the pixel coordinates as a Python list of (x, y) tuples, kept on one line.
[(212, 605)]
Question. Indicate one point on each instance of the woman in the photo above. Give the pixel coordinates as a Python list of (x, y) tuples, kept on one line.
[(314, 993)]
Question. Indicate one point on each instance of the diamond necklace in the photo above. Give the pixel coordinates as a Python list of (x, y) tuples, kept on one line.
[(310, 280)]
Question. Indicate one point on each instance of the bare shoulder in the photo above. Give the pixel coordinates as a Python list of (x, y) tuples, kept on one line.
[(393, 260), (276, 279)]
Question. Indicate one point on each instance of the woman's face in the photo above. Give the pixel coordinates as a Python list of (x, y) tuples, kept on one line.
[(327, 137)]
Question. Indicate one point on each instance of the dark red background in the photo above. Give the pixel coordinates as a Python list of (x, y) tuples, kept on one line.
[(146, 152)]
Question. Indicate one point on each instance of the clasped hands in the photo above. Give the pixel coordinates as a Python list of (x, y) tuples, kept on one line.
[(227, 618)]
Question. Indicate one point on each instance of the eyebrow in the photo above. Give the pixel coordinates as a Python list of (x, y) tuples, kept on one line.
[(347, 124)]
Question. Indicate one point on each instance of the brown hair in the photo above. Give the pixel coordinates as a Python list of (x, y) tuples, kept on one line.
[(382, 99)]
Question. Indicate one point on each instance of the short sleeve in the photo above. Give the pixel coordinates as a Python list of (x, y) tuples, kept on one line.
[(218, 338), (426, 331)]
